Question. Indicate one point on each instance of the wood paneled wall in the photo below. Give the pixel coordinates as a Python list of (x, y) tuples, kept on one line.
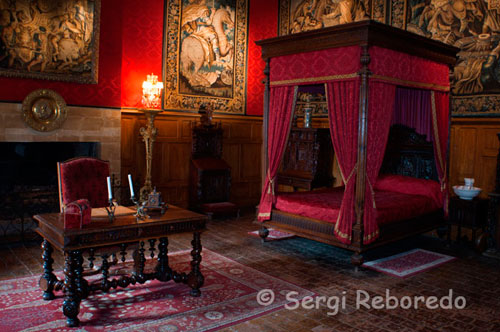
[(172, 151), (473, 151)]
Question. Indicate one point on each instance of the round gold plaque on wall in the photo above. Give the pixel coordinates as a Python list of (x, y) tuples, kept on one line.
[(44, 110)]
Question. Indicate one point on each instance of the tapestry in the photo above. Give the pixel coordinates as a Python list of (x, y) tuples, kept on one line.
[(474, 27), (304, 15), (471, 25), (205, 55), (50, 39), (232, 293)]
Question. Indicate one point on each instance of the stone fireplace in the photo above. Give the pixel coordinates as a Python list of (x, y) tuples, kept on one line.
[(83, 124), (99, 127)]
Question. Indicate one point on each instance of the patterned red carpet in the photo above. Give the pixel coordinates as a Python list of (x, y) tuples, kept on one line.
[(408, 263), (229, 295)]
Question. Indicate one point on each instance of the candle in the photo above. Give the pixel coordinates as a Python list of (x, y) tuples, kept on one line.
[(110, 193), (130, 184)]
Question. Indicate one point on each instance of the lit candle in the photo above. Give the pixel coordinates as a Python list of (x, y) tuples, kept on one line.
[(131, 185), (110, 193)]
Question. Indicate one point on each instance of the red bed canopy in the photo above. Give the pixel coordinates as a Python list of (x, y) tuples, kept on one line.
[(361, 65)]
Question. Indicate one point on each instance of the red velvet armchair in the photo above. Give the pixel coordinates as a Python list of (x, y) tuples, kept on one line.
[(83, 178)]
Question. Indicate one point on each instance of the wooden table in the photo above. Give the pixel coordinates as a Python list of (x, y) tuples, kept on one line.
[(469, 214), (121, 232)]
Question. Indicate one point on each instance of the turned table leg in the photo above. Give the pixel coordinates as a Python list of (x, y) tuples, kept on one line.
[(48, 278), (195, 278), (71, 304), (163, 271)]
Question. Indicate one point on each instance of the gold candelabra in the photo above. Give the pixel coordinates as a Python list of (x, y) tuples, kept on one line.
[(151, 93), (148, 136)]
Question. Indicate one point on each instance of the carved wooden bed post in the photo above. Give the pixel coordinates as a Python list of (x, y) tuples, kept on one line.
[(263, 232), (358, 227)]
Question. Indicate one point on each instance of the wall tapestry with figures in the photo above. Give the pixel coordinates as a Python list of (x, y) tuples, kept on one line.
[(471, 25), (205, 55), (50, 39)]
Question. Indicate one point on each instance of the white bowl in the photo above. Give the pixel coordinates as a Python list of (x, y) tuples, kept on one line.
[(466, 193)]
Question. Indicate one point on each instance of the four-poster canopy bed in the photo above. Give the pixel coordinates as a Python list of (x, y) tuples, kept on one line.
[(370, 71)]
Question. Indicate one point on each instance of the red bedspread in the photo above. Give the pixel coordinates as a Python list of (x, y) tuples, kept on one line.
[(324, 204)]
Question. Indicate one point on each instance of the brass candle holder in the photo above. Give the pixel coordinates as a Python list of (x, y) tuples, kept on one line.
[(111, 210), (140, 214)]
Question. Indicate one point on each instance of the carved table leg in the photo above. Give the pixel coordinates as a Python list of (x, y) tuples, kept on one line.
[(71, 304), (140, 264), (81, 284), (48, 278), (105, 285), (163, 271), (195, 278)]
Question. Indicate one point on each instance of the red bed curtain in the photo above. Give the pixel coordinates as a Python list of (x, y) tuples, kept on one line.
[(380, 109), (412, 108), (428, 113), (343, 105), (440, 122), (282, 101)]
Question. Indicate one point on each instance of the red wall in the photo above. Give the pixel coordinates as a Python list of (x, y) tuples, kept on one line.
[(263, 24), (142, 47), (131, 39)]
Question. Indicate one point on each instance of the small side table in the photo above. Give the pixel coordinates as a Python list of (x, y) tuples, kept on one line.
[(470, 214)]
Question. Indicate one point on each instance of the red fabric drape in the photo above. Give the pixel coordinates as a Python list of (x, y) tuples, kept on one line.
[(380, 108), (343, 106), (408, 70), (412, 108), (440, 122), (281, 104), (315, 67)]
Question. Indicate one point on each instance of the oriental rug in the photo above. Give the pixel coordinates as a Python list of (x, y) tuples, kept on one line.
[(229, 296), (408, 263), (274, 234)]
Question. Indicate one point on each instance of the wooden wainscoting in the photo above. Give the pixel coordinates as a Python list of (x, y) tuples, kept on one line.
[(172, 151), (473, 151)]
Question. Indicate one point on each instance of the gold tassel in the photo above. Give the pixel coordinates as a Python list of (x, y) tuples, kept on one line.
[(270, 188), (373, 193)]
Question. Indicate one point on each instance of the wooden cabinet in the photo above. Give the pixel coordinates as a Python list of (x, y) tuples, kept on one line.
[(308, 159)]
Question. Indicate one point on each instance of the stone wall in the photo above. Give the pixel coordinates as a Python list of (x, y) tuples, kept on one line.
[(83, 124)]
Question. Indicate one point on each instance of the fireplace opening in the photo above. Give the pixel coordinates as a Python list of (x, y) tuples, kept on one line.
[(28, 181)]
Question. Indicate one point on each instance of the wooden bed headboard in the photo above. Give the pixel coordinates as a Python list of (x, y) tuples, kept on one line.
[(408, 153)]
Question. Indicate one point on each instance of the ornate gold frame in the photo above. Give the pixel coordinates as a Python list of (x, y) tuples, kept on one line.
[(173, 98), (44, 110), (51, 43)]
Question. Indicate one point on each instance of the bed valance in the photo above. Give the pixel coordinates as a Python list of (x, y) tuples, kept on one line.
[(361, 65), (344, 63)]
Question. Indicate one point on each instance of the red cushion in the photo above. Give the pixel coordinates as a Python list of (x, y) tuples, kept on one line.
[(84, 178), (77, 214), (413, 186)]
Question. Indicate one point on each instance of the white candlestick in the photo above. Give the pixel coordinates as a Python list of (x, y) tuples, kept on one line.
[(110, 193), (131, 185)]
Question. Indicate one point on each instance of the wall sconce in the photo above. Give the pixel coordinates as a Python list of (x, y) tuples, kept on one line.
[(151, 92)]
